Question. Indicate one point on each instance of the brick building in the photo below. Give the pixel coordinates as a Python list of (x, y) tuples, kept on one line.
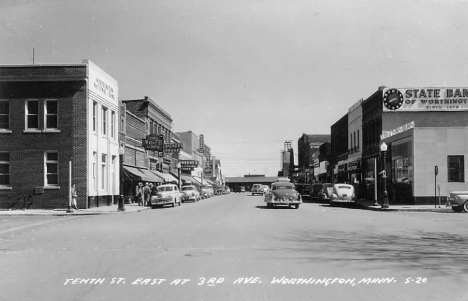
[(51, 117)]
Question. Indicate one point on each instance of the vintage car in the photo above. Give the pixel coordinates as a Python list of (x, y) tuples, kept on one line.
[(239, 189), (228, 190), (283, 193), (257, 189), (206, 191), (189, 193), (167, 194), (458, 200), (314, 190), (342, 193), (306, 190), (325, 193), (265, 188)]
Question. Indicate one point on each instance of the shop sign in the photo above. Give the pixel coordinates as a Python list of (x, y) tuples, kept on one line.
[(207, 170), (425, 99), (154, 142), (188, 164), (398, 130), (170, 148), (341, 168), (354, 165)]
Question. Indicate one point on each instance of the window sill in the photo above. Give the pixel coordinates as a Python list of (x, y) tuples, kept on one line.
[(48, 131), (5, 187), (5, 131), (31, 131), (51, 187)]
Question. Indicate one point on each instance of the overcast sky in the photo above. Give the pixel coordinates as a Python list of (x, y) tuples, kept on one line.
[(247, 74)]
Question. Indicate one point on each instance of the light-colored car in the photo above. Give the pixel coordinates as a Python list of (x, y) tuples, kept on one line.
[(189, 193), (342, 193), (325, 193), (458, 200), (265, 188), (206, 191), (283, 193), (168, 194), (257, 189), (228, 190)]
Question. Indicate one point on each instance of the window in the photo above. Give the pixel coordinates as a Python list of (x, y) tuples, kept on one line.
[(4, 114), (32, 114), (456, 168), (4, 168), (104, 121), (112, 130), (94, 171), (94, 115), (51, 114), (358, 140), (103, 171), (51, 168)]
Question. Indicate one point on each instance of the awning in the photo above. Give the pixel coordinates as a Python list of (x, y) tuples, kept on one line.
[(168, 178), (142, 174), (199, 180), (189, 179)]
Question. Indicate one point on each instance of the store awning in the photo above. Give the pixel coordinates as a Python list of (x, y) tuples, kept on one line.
[(199, 180), (168, 178), (189, 179), (142, 174)]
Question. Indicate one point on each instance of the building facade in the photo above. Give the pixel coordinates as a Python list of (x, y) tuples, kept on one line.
[(59, 127)]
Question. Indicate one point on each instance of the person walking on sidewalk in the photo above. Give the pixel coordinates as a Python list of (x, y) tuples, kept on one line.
[(139, 194), (74, 197), (146, 194)]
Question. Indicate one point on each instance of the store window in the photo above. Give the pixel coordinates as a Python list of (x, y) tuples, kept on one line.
[(4, 168), (4, 115), (456, 168), (51, 168), (51, 114), (32, 114)]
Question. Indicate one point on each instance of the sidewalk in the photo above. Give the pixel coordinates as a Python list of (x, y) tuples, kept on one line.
[(129, 208), (369, 205)]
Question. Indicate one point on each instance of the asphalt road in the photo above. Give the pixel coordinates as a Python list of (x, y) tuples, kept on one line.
[(233, 248)]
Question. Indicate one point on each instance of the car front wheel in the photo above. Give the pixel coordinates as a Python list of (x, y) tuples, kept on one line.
[(465, 206)]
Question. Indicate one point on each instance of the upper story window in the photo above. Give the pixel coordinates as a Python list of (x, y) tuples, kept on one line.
[(32, 114), (104, 121), (94, 116), (4, 168), (4, 114), (51, 114), (112, 121), (456, 168), (51, 168)]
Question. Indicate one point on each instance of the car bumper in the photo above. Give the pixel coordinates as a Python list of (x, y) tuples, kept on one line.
[(188, 198), (283, 202), (343, 200), (161, 201)]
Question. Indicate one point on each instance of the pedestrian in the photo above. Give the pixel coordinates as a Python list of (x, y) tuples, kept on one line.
[(74, 197), (146, 194), (154, 190), (139, 193)]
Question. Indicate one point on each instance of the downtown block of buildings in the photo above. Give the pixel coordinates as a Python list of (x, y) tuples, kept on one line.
[(64, 125), (425, 130)]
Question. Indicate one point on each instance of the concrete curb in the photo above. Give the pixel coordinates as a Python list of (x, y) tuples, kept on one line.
[(400, 209), (63, 212)]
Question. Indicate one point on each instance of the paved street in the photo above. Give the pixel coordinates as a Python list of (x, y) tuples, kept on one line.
[(232, 247)]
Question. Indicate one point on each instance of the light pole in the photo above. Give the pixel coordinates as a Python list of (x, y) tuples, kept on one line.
[(121, 206), (178, 174), (383, 149)]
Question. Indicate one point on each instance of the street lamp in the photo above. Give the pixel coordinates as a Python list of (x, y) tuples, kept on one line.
[(383, 149), (178, 173), (121, 206)]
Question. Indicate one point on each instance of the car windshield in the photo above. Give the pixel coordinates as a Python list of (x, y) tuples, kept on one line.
[(188, 188), (278, 187), (165, 188)]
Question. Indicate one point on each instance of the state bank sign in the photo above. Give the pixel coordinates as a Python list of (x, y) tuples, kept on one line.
[(425, 99)]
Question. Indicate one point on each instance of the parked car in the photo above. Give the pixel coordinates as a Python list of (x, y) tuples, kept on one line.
[(458, 200), (189, 193), (325, 193), (257, 189), (342, 193), (206, 192), (228, 190), (283, 193), (306, 190), (314, 191), (167, 194), (239, 189), (265, 188)]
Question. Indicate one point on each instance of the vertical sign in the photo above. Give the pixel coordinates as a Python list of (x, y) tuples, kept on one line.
[(202, 142)]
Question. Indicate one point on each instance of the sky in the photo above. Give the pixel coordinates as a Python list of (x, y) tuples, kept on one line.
[(247, 74)]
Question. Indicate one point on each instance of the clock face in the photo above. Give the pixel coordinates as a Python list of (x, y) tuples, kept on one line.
[(393, 99)]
